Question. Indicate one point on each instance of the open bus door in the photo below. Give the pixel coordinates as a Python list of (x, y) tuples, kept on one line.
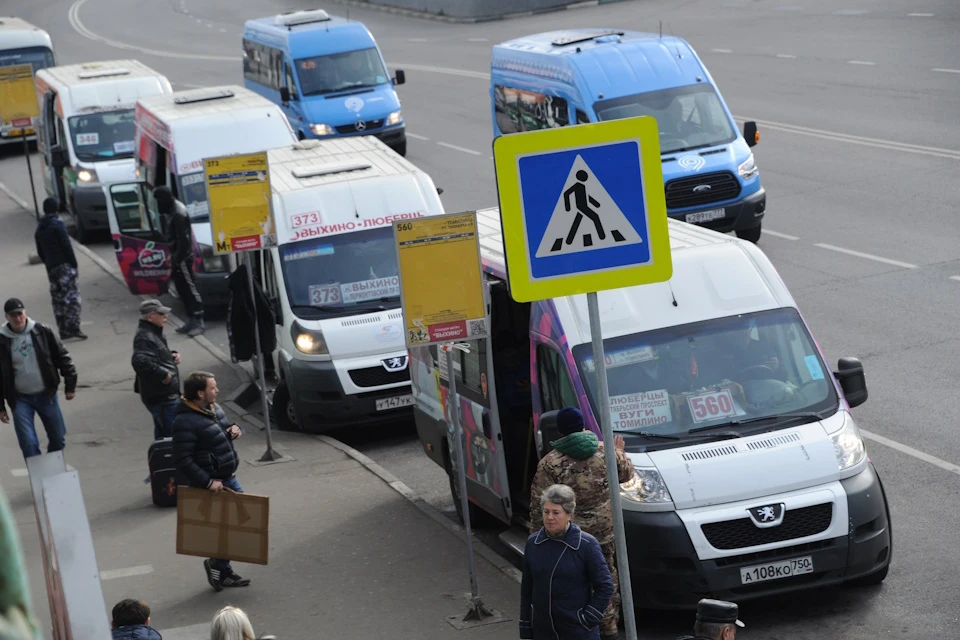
[(138, 239)]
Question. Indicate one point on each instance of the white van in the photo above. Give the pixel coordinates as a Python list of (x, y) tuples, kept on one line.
[(86, 132), (175, 132), (752, 477), (22, 43), (334, 282)]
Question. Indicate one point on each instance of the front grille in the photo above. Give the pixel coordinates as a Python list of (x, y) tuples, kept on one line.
[(742, 533), (352, 128), (378, 376), (680, 192)]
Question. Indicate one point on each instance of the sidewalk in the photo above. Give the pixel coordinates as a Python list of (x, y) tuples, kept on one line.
[(349, 556)]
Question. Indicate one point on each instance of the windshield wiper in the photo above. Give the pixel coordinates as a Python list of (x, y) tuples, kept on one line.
[(647, 434), (777, 418)]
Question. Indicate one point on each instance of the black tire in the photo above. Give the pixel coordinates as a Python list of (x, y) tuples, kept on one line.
[(871, 579), (300, 135), (401, 148), (283, 412), (751, 235), (479, 518)]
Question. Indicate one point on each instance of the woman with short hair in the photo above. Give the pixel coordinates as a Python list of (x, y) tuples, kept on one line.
[(231, 623), (566, 583)]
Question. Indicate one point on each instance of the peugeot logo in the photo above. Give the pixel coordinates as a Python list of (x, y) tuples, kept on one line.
[(393, 365), (702, 188), (770, 515), (361, 125)]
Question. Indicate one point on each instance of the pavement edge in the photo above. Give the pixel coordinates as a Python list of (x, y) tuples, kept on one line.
[(411, 496)]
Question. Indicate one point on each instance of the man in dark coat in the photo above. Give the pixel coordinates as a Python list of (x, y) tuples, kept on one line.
[(158, 379), (180, 238), (56, 251), (130, 620), (32, 359), (716, 620), (206, 459)]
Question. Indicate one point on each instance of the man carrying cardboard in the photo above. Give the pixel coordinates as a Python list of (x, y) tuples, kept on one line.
[(206, 459)]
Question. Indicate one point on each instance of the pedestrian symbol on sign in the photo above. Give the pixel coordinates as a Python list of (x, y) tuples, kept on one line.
[(583, 196)]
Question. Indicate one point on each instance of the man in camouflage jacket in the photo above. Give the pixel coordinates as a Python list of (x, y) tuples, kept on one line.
[(577, 460)]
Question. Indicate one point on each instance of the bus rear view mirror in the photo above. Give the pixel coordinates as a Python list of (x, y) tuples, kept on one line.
[(852, 380), (284, 94), (549, 432), (401, 77)]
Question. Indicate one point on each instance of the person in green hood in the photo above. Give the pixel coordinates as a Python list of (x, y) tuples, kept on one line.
[(577, 460)]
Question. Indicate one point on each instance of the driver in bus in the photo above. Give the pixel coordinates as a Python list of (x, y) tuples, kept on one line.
[(747, 352), (659, 372)]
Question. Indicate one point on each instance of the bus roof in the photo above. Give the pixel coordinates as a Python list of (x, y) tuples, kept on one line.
[(16, 33), (309, 34), (612, 63), (97, 86), (714, 275)]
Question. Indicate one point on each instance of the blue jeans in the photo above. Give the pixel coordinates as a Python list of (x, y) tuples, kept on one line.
[(216, 563), (163, 413), (48, 408)]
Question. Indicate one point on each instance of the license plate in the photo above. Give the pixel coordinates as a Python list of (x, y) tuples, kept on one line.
[(16, 133), (396, 402), (706, 216), (776, 570)]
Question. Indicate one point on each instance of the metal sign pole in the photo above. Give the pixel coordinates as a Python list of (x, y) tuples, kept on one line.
[(269, 455), (26, 154), (603, 403)]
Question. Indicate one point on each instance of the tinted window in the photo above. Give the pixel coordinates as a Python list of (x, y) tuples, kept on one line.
[(522, 110), (101, 136), (341, 72), (262, 64), (37, 57)]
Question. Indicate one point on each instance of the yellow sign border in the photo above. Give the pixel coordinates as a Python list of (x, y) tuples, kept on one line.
[(509, 148), (233, 164)]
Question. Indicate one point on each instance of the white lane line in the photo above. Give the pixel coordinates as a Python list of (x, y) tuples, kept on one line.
[(193, 632), (866, 256), (19, 473), (456, 148), (865, 63), (919, 15), (777, 234), (957, 278), (464, 73), (721, 50), (113, 574), (417, 137), (786, 56), (910, 451), (946, 70), (478, 40)]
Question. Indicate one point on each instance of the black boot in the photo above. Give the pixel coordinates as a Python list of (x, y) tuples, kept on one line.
[(187, 326)]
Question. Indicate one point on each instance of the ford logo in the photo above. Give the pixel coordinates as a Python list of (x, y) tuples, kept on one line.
[(702, 188)]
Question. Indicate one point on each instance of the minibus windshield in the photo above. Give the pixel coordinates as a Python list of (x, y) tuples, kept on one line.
[(37, 57), (102, 135), (689, 117), (343, 274), (717, 373), (193, 195), (341, 72)]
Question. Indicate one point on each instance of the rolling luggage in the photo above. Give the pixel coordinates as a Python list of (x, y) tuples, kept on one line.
[(163, 473)]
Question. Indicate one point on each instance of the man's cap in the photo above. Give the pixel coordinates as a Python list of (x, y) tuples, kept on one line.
[(153, 306), (718, 611), (569, 420), (50, 205), (13, 305)]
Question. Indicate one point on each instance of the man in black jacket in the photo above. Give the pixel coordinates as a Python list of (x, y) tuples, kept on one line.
[(716, 620), (180, 238), (32, 359), (158, 379), (203, 448), (56, 251)]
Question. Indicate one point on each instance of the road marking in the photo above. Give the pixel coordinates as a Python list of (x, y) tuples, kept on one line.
[(113, 574), (19, 473), (417, 137), (866, 256), (865, 63), (456, 148), (957, 278), (786, 56), (78, 26), (464, 73), (193, 632), (919, 15), (777, 234), (946, 70), (721, 50), (478, 40), (850, 12), (910, 451)]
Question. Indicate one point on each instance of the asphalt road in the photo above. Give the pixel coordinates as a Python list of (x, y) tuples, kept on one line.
[(859, 112)]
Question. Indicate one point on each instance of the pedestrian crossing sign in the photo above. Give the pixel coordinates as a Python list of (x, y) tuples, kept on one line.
[(582, 208)]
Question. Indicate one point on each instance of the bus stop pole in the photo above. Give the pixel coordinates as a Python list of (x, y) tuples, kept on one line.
[(270, 454), (613, 477), (26, 154)]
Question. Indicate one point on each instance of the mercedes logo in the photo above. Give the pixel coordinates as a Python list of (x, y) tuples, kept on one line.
[(361, 125)]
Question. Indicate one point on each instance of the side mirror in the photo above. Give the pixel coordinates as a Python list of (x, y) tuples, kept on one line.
[(58, 157), (750, 133), (401, 77), (548, 432), (849, 374), (439, 191), (284, 94)]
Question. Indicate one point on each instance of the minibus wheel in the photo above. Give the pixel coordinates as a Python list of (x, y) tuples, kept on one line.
[(283, 412)]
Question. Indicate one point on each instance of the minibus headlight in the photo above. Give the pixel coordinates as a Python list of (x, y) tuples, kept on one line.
[(87, 176), (848, 445), (309, 341), (748, 169), (395, 118), (322, 129), (645, 486)]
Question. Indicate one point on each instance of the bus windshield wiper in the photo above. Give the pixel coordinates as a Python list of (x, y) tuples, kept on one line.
[(777, 418), (647, 434)]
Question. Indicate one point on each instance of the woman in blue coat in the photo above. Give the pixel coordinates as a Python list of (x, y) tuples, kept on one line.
[(566, 583)]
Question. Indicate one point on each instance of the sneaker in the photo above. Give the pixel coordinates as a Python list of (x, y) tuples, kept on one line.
[(213, 576), (187, 326), (234, 580), (80, 335), (196, 329)]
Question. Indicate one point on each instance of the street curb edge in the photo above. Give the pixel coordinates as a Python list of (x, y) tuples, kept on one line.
[(410, 495)]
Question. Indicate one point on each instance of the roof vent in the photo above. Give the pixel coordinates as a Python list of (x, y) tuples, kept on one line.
[(103, 73), (329, 169), (294, 18), (202, 95), (585, 36)]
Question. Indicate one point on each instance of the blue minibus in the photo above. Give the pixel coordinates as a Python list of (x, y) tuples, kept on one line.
[(590, 75), (326, 73)]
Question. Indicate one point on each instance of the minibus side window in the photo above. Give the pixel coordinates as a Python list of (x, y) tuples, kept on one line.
[(556, 390), (291, 82), (582, 117), (522, 110)]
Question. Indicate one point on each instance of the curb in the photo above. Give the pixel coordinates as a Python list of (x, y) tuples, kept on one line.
[(398, 485), (425, 15)]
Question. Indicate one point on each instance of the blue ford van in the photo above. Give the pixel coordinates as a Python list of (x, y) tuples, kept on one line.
[(590, 75), (327, 74)]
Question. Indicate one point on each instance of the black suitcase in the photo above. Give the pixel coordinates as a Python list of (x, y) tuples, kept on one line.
[(163, 473)]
